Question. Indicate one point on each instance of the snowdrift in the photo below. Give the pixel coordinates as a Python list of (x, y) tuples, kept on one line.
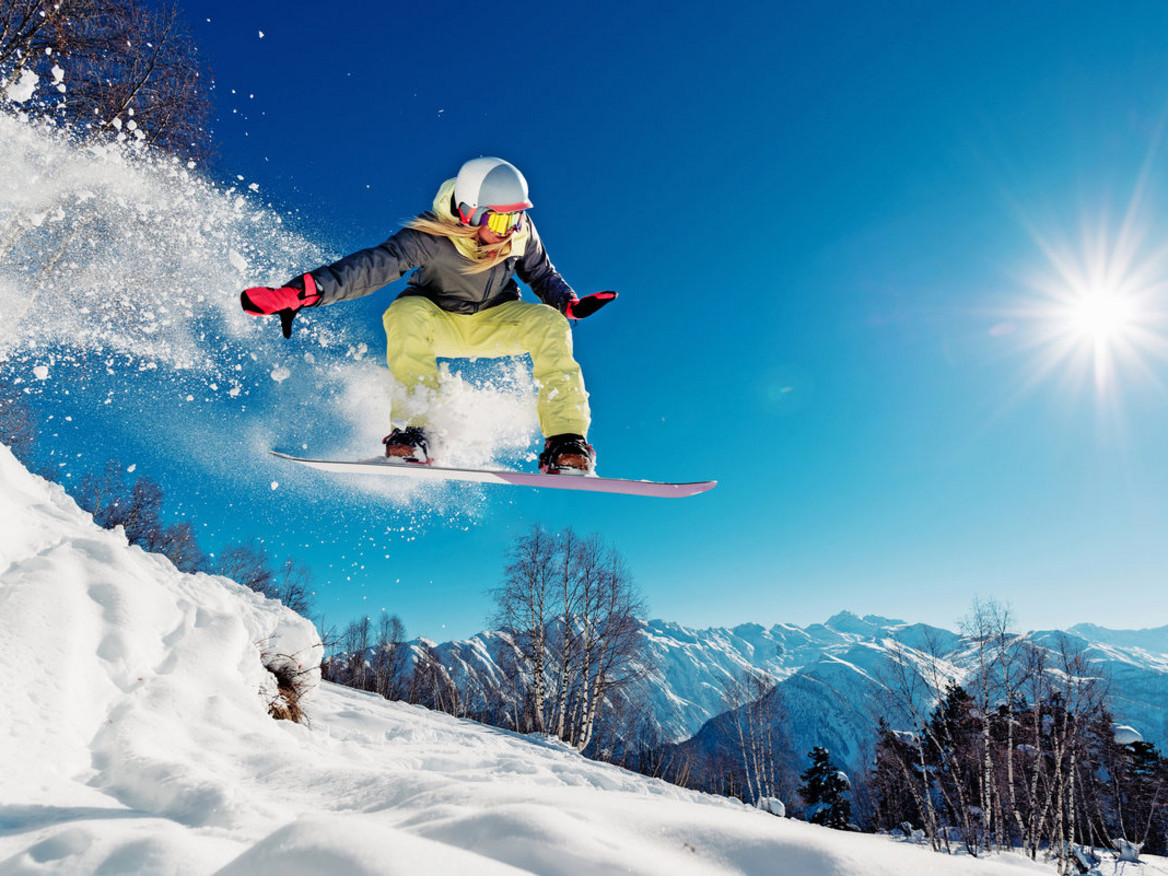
[(135, 738)]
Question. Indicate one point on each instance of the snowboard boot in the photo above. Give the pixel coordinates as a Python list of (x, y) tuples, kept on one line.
[(407, 445), (567, 454)]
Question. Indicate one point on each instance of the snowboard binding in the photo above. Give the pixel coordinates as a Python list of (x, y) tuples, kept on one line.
[(408, 445), (567, 454)]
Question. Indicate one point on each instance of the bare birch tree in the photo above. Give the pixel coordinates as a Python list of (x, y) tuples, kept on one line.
[(611, 644), (573, 614), (389, 656), (357, 642), (749, 698), (524, 606)]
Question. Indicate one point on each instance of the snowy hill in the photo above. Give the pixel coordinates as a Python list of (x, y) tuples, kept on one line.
[(136, 739)]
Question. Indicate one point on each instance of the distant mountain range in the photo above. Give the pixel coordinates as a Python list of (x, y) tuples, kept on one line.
[(829, 675)]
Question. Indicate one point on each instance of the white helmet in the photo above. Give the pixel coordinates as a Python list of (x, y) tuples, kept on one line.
[(489, 184)]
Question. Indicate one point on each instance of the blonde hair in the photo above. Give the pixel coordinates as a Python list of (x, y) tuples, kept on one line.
[(481, 257)]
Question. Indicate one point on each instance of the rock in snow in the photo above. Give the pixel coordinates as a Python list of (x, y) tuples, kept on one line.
[(136, 739)]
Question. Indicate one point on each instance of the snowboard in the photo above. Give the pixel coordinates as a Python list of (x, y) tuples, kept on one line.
[(583, 483)]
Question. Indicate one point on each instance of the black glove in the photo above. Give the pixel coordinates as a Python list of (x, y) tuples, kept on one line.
[(578, 308), (285, 300)]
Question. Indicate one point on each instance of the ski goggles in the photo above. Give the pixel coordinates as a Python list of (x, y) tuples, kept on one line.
[(500, 222)]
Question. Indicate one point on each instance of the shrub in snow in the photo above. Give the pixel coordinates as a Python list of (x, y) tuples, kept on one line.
[(293, 682)]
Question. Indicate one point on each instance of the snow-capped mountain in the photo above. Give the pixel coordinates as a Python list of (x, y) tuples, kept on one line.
[(830, 675)]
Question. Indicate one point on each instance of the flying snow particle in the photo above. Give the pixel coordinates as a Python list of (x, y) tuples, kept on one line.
[(23, 88), (41, 372), (280, 374), (261, 34), (130, 469), (237, 261), (275, 485)]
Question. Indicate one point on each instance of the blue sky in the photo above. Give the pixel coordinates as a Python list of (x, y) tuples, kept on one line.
[(846, 237)]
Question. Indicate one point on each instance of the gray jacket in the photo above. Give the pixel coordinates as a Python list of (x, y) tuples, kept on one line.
[(437, 265), (438, 276)]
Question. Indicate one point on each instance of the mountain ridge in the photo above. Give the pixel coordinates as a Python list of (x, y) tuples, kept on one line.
[(836, 669)]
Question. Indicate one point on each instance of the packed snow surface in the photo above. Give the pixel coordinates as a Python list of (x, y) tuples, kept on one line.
[(136, 739)]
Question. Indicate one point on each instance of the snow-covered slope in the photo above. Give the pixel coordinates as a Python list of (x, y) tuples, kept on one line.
[(135, 739)]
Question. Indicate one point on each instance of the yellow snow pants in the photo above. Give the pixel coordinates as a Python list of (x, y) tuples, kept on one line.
[(417, 331)]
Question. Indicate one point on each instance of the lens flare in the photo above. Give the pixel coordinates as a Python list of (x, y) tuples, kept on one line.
[(1096, 315)]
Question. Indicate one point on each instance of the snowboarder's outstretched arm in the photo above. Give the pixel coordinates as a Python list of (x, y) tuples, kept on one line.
[(354, 276), (368, 270), (536, 270)]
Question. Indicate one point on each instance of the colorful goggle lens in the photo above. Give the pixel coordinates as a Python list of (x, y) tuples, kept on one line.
[(501, 223)]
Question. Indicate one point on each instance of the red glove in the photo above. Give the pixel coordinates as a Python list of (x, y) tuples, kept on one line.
[(284, 300), (578, 308)]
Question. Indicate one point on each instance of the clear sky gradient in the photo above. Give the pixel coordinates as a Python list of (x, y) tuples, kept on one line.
[(851, 241)]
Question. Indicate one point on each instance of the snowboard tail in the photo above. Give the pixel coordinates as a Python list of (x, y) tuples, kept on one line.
[(588, 484)]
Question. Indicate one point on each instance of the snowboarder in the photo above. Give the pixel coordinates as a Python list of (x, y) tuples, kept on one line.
[(463, 301)]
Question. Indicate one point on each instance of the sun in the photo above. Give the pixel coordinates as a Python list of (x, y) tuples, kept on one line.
[(1102, 316), (1095, 314)]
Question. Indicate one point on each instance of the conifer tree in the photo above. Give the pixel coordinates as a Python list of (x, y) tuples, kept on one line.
[(825, 791)]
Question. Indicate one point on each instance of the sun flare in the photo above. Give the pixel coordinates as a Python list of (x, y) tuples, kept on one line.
[(1102, 316), (1098, 315)]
